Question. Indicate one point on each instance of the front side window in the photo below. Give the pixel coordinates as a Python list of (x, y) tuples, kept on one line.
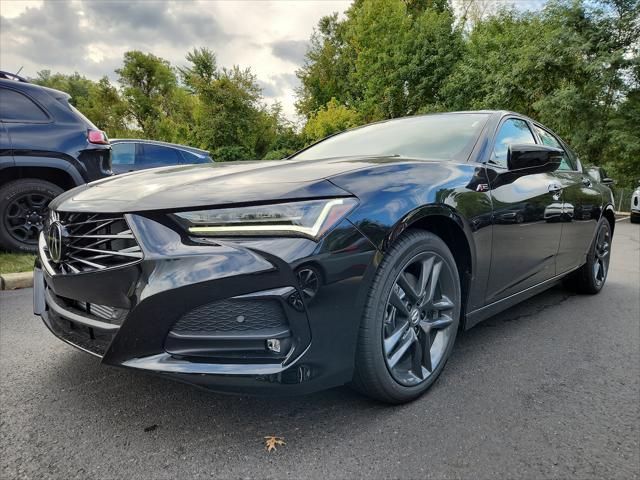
[(512, 132), (551, 141), (15, 107), (433, 137), (123, 153), (157, 155)]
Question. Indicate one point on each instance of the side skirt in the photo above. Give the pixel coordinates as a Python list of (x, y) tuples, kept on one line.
[(475, 317)]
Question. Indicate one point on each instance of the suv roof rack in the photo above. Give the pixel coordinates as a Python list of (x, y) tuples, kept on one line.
[(12, 76)]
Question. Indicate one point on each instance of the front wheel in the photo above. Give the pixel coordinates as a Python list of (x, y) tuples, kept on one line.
[(410, 320)]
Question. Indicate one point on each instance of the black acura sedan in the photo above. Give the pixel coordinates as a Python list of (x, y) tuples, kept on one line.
[(356, 260)]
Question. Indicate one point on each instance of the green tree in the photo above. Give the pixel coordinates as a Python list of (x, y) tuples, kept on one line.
[(387, 58), (149, 86), (330, 119)]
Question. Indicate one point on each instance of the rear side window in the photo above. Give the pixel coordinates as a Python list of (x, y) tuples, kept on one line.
[(513, 131), (123, 153), (16, 107), (551, 141), (157, 156), (192, 158)]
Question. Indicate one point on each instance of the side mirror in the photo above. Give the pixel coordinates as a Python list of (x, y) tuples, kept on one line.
[(529, 159), (607, 181)]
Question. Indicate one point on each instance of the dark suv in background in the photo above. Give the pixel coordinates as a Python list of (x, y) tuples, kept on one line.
[(46, 147), (128, 155)]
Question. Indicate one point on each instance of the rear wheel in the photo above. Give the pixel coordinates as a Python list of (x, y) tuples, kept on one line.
[(410, 321), (24, 205), (591, 276)]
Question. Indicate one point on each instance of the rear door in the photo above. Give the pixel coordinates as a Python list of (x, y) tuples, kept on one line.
[(581, 205), (527, 211), (6, 155)]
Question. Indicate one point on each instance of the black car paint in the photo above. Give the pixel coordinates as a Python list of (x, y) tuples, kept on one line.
[(507, 260)]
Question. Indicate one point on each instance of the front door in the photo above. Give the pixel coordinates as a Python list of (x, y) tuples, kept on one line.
[(527, 215)]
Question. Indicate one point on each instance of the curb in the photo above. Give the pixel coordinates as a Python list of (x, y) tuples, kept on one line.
[(14, 281)]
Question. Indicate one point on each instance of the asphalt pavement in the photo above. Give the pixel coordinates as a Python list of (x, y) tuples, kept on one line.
[(547, 389)]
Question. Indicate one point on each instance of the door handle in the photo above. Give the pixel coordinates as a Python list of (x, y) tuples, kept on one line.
[(555, 187), (586, 181)]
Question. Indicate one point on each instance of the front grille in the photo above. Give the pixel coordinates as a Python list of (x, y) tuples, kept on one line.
[(91, 241), (228, 316)]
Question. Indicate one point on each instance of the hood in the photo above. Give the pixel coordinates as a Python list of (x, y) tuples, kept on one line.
[(193, 186)]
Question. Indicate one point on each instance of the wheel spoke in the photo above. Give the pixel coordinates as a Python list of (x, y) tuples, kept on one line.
[(433, 281), (425, 271), (442, 322), (397, 302), (416, 359), (393, 339), (408, 289), (402, 349), (443, 304), (425, 343)]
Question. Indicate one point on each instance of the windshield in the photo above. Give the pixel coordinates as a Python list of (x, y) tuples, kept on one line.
[(438, 137)]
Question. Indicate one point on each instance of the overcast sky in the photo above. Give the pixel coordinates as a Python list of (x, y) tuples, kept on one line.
[(90, 36)]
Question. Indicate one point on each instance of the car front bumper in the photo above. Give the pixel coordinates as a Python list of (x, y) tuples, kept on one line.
[(180, 275)]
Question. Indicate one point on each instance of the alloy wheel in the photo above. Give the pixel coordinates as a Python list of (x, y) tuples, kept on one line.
[(418, 318), (602, 251), (25, 216)]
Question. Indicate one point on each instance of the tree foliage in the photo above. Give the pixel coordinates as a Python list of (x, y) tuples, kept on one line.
[(572, 65)]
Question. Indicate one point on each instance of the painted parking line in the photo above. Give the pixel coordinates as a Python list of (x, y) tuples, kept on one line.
[(621, 219)]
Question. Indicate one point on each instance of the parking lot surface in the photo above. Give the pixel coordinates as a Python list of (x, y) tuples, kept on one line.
[(549, 388)]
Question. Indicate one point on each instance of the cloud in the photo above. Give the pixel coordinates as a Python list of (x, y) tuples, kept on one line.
[(45, 36), (290, 50)]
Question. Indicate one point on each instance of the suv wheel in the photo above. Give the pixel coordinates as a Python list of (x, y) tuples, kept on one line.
[(23, 208)]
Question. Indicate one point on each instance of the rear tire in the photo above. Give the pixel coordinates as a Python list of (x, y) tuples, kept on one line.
[(590, 278), (634, 218), (413, 304), (23, 208)]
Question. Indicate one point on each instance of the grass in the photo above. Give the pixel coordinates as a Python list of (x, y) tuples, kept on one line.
[(16, 262)]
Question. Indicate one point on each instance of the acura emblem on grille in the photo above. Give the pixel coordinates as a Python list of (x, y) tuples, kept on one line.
[(55, 241)]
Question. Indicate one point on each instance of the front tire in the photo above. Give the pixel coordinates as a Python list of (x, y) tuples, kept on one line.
[(590, 278), (410, 319)]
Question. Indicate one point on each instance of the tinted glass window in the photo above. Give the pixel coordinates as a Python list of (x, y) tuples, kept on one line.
[(156, 155), (513, 131), (15, 107), (551, 141), (123, 153), (432, 136), (193, 158)]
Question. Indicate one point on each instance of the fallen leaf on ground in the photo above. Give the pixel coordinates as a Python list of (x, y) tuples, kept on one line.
[(271, 442)]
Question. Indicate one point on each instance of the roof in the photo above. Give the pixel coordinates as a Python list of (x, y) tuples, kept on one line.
[(26, 86), (197, 151)]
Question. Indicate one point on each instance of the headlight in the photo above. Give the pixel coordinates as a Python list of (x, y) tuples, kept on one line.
[(310, 218)]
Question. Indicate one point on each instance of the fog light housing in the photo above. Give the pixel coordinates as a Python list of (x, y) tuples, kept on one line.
[(273, 344)]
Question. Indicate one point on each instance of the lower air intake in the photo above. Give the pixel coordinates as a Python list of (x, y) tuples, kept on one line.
[(228, 316)]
